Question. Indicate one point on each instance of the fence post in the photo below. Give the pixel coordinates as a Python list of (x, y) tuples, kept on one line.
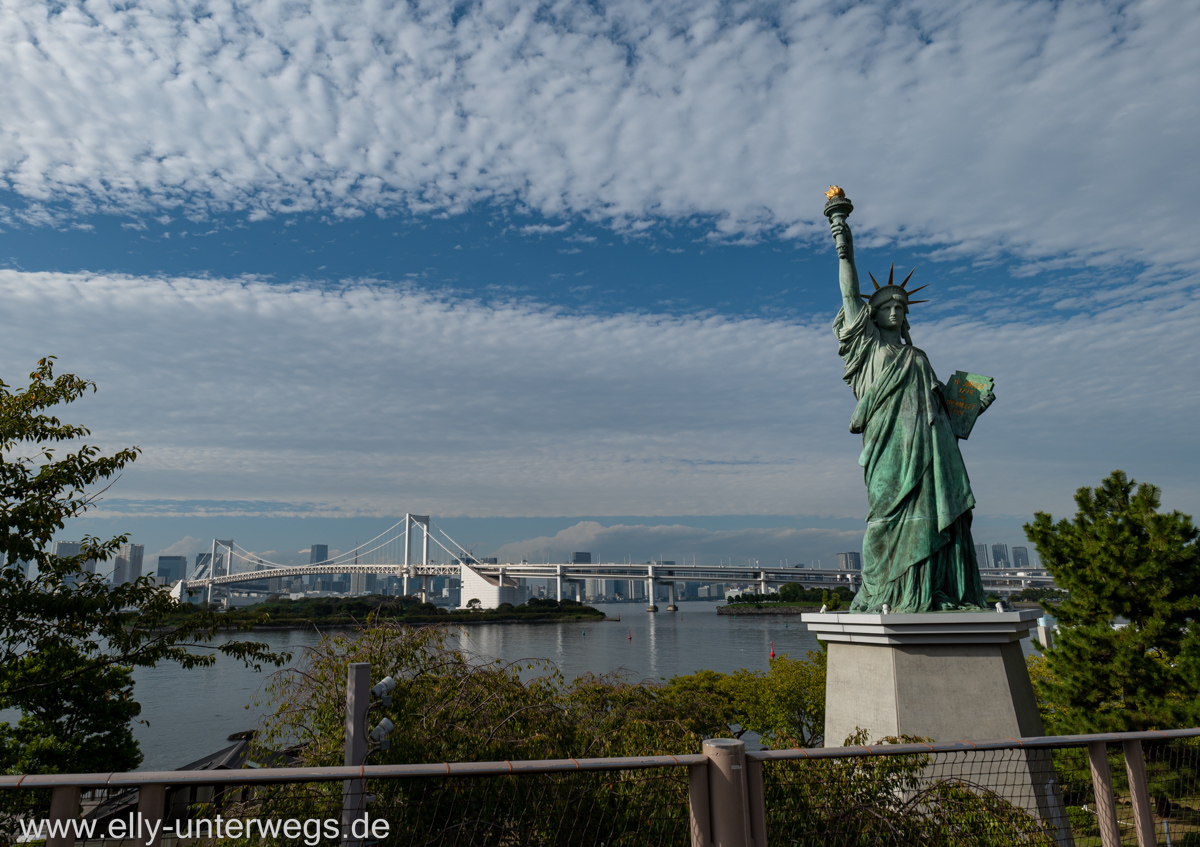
[(701, 822), (152, 801), (1106, 801), (756, 802), (1139, 793), (64, 806), (358, 696), (727, 792)]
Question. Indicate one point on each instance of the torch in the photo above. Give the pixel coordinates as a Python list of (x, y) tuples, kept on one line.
[(837, 208)]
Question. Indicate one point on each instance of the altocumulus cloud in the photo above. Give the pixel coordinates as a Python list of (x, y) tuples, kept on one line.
[(1056, 131), (365, 399)]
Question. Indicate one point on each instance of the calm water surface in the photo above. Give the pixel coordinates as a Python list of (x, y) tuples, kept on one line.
[(190, 713)]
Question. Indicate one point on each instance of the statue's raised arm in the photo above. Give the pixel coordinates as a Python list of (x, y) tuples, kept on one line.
[(837, 209)]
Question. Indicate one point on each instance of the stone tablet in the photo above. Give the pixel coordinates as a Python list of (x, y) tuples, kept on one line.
[(963, 391)]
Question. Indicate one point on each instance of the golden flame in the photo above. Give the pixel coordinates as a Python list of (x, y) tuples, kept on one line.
[(834, 191)]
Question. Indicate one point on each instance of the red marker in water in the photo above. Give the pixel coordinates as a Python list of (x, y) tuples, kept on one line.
[(631, 635), (772, 649)]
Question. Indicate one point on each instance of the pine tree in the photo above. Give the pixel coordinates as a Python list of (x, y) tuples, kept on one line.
[(1121, 559)]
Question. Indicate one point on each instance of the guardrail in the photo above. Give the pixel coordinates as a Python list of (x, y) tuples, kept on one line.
[(1065, 790)]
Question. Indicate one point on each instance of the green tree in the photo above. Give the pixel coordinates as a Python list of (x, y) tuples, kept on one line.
[(785, 705), (68, 642), (1121, 558), (451, 707)]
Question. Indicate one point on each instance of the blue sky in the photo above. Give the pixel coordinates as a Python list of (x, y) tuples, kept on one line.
[(561, 269)]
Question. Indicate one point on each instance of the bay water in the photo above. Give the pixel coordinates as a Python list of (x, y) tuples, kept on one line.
[(189, 713)]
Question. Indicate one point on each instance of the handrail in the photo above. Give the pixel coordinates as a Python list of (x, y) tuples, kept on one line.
[(1032, 743), (259, 776)]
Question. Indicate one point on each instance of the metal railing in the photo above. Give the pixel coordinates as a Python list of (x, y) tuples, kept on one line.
[(1105, 790)]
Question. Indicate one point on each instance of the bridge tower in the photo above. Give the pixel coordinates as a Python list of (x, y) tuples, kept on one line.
[(409, 571), (214, 569)]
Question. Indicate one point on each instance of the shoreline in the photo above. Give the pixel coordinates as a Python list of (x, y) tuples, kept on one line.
[(737, 610), (422, 621)]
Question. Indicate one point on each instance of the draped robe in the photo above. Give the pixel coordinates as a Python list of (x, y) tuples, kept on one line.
[(918, 555)]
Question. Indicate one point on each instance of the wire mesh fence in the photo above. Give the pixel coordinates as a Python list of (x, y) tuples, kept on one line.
[(617, 807), (984, 798), (1038, 796), (1031, 792), (1173, 785), (645, 806), (20, 811)]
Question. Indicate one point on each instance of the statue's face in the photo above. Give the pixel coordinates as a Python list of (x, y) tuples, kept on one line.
[(889, 315)]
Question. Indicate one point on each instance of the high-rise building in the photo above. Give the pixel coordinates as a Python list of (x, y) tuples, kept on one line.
[(171, 569), (999, 555), (67, 549), (981, 556), (1020, 557), (598, 589), (581, 558), (362, 583), (127, 567), (317, 553), (850, 561)]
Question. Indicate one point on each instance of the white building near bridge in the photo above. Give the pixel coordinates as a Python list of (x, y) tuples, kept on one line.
[(490, 591)]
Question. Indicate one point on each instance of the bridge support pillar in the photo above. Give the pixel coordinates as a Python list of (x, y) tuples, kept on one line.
[(650, 605), (762, 583), (671, 607), (558, 579)]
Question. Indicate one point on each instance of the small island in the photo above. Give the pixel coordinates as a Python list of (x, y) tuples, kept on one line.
[(284, 613), (792, 599)]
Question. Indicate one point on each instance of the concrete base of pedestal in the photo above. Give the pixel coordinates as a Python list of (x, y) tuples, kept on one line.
[(947, 676), (652, 608)]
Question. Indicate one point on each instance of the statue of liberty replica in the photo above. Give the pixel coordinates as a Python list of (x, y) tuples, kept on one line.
[(918, 555)]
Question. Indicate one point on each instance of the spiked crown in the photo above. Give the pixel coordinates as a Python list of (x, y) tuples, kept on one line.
[(883, 293)]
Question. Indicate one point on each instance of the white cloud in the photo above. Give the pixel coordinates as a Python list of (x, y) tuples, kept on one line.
[(685, 544), (186, 546), (1050, 130), (362, 399)]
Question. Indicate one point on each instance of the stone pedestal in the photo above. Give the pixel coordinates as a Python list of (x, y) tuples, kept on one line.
[(947, 676)]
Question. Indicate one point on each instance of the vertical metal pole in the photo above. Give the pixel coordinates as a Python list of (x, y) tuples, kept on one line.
[(756, 801), (152, 801), (1106, 802), (1139, 793), (358, 695), (700, 814), (64, 806), (727, 792)]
